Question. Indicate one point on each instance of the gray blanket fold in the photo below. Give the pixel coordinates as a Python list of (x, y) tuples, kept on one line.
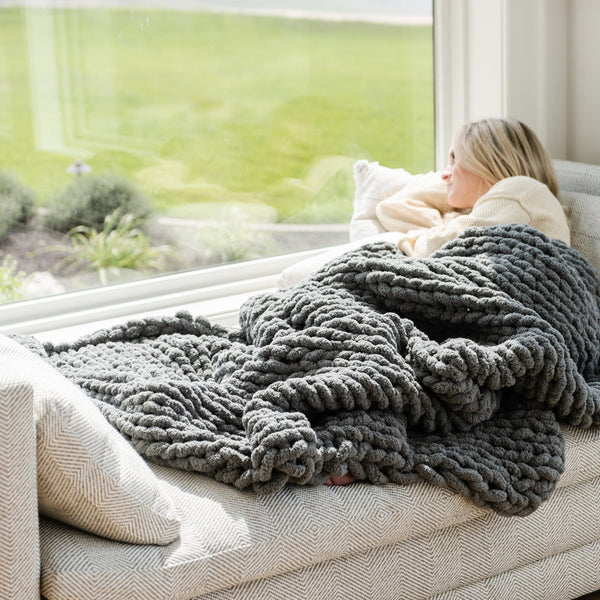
[(457, 368)]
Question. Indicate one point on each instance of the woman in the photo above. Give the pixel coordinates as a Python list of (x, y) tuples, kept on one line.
[(499, 173)]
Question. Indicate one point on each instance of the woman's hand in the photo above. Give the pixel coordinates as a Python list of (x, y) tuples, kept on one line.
[(346, 479)]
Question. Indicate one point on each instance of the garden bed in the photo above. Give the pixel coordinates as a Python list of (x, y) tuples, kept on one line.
[(38, 253), (28, 246)]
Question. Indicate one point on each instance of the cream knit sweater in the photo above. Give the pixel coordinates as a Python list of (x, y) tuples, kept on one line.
[(519, 200), (419, 219)]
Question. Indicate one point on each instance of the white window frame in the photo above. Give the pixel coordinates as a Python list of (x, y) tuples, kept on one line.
[(502, 58), (498, 57), (215, 292)]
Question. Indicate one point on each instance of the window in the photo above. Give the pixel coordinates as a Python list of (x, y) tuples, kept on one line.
[(236, 124)]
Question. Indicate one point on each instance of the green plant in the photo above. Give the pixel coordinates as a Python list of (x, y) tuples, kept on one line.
[(12, 282), (17, 203), (91, 198), (121, 244)]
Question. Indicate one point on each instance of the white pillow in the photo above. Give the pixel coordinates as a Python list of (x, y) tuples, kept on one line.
[(373, 183), (583, 212), (89, 476)]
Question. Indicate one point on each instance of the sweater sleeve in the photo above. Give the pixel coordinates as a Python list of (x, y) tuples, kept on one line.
[(421, 203), (495, 211)]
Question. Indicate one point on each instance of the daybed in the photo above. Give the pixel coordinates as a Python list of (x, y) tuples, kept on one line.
[(116, 527)]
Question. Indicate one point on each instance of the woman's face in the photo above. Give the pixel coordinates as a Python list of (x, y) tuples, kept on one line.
[(464, 188)]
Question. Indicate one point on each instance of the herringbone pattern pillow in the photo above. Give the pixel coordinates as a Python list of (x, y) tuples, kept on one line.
[(583, 211), (88, 474)]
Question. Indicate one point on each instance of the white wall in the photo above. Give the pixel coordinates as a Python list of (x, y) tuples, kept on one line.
[(583, 81)]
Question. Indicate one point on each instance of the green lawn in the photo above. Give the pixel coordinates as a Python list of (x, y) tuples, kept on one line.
[(200, 108)]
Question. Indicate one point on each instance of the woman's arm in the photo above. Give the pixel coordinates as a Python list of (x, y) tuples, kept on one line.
[(493, 211)]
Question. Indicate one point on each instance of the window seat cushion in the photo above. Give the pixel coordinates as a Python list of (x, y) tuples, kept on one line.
[(302, 541)]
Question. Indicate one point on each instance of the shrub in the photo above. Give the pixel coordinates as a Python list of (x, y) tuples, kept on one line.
[(12, 282), (17, 203), (91, 198)]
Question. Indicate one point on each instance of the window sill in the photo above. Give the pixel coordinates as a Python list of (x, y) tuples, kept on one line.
[(216, 293), (223, 310)]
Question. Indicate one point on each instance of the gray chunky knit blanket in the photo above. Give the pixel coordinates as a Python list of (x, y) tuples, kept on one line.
[(456, 368)]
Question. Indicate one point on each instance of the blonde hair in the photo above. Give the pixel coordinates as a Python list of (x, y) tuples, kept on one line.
[(498, 148)]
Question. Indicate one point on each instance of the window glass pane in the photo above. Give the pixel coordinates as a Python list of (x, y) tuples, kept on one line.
[(235, 123)]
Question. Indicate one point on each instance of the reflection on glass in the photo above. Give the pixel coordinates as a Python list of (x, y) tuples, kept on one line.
[(181, 134)]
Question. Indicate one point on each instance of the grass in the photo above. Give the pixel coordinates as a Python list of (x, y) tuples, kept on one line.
[(204, 108)]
